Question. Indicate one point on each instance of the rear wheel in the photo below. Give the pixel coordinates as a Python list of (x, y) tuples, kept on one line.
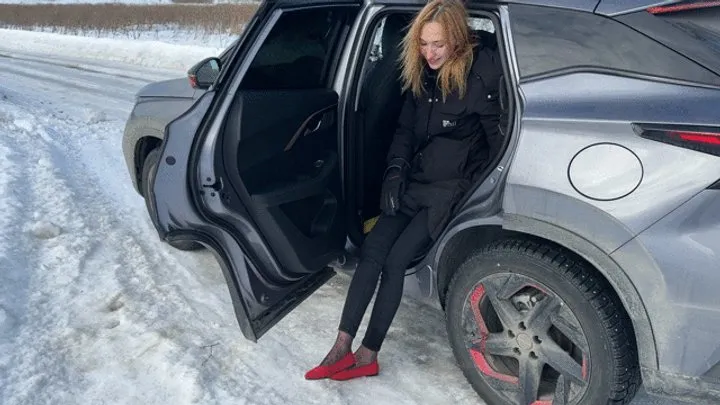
[(149, 167), (532, 325)]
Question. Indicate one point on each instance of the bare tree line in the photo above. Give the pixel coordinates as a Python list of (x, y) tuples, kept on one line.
[(210, 19)]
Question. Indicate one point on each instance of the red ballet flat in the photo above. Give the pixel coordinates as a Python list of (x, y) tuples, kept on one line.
[(321, 372), (368, 370)]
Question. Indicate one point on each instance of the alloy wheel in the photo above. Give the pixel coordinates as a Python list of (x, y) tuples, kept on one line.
[(525, 342)]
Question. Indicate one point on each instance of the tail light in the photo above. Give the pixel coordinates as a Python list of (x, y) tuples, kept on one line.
[(683, 6), (701, 139)]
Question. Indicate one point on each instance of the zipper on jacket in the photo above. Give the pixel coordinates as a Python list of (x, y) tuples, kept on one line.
[(432, 103)]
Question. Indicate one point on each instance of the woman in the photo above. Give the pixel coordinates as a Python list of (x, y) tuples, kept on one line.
[(450, 111)]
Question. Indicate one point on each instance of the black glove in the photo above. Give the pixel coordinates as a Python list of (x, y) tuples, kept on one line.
[(393, 186)]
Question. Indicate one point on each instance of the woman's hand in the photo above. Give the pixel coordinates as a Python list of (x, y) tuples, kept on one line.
[(393, 186)]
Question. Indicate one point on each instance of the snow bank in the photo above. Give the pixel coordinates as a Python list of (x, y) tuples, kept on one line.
[(153, 54), (166, 33)]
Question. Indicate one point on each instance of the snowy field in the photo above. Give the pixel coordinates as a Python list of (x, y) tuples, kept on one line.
[(174, 58), (95, 310), (159, 34)]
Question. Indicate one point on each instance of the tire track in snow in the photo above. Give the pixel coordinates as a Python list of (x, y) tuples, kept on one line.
[(157, 285), (74, 306), (72, 311), (39, 345), (13, 251), (94, 87), (140, 301), (65, 92)]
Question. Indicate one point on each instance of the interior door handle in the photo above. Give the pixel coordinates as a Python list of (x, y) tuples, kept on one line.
[(310, 125), (309, 130)]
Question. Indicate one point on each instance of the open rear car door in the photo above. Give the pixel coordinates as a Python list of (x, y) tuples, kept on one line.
[(264, 170)]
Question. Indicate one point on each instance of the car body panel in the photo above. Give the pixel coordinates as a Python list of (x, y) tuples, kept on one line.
[(156, 104), (174, 88), (684, 303), (600, 109), (629, 295), (173, 210)]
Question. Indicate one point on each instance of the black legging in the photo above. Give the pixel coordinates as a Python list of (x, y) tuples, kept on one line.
[(388, 249)]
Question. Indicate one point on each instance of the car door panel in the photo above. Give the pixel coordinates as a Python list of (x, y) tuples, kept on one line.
[(259, 298), (290, 170), (275, 198), (267, 300), (175, 216), (267, 165), (268, 144)]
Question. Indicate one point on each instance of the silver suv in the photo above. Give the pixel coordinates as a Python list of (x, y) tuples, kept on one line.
[(584, 261)]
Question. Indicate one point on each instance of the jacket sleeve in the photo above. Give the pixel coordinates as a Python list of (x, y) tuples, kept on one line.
[(403, 144), (487, 100), (489, 111)]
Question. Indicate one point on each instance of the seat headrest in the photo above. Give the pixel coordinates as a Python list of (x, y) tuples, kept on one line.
[(393, 32), (485, 39)]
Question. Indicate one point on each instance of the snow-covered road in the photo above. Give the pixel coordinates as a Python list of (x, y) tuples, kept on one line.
[(95, 310)]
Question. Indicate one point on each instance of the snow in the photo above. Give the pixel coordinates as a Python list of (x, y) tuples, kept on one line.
[(169, 34), (94, 309), (45, 230), (155, 54)]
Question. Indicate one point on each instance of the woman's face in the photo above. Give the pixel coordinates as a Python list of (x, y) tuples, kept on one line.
[(433, 45)]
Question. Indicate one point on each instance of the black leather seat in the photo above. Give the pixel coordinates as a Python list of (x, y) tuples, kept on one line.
[(379, 105)]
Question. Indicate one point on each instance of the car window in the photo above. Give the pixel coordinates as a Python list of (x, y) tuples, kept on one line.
[(481, 24), (702, 24), (226, 53), (552, 41), (298, 50)]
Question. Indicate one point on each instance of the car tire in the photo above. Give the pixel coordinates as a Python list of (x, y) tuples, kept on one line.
[(560, 336), (148, 170)]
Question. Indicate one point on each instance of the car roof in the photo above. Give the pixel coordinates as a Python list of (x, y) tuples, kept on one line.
[(574, 4), (606, 7)]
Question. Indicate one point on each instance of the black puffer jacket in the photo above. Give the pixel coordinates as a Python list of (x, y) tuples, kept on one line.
[(447, 142)]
